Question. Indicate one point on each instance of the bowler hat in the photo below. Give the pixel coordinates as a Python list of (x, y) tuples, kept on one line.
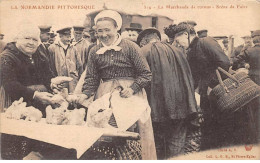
[(135, 27), (147, 31)]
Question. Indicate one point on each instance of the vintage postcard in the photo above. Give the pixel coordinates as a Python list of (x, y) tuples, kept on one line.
[(130, 79)]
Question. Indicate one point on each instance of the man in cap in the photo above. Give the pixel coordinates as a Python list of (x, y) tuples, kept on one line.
[(81, 44), (44, 37), (204, 56), (64, 58), (171, 85), (247, 43), (93, 35), (251, 55), (52, 38), (202, 33), (133, 31), (225, 44), (86, 36)]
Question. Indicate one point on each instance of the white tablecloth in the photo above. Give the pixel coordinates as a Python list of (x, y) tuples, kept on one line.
[(69, 136)]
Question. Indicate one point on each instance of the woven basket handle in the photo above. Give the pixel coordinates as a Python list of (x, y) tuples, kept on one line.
[(228, 74), (221, 81)]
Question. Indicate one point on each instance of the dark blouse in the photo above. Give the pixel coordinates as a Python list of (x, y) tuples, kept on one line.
[(128, 62), (18, 71)]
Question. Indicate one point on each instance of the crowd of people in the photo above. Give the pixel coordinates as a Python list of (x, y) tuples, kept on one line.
[(167, 72)]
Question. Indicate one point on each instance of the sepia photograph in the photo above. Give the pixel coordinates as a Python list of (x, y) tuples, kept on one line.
[(130, 79)]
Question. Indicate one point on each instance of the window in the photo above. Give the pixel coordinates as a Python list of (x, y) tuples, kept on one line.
[(154, 21)]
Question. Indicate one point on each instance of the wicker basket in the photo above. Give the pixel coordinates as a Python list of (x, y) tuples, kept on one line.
[(234, 92)]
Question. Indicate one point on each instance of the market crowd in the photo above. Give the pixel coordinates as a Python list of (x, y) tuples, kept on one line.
[(172, 71)]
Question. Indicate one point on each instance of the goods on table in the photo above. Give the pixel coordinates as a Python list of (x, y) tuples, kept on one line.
[(59, 114), (99, 112), (18, 110), (75, 117), (63, 116)]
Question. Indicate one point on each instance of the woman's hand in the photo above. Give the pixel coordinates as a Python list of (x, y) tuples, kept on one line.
[(57, 87), (43, 97), (77, 98), (128, 92)]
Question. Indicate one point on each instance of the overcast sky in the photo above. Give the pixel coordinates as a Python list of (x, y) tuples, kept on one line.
[(236, 21)]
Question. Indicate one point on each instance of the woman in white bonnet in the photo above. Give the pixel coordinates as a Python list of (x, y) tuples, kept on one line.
[(118, 62)]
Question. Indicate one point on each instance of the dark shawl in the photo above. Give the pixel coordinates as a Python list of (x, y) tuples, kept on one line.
[(171, 93)]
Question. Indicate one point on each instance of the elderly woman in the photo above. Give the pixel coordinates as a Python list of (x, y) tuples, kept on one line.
[(118, 62), (24, 72)]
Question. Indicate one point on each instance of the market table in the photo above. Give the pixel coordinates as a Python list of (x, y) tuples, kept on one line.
[(80, 138)]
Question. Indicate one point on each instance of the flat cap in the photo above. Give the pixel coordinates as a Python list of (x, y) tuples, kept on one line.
[(45, 28), (256, 33), (201, 31), (78, 28), (247, 36), (66, 30)]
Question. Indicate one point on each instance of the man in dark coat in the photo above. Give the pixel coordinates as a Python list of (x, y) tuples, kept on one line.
[(44, 43), (204, 56), (170, 95), (44, 36), (239, 49), (252, 56)]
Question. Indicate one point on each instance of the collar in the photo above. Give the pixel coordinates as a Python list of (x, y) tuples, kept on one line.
[(76, 42), (113, 46), (62, 45), (193, 42), (44, 45)]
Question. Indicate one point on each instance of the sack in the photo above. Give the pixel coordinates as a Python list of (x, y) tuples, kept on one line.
[(234, 92)]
